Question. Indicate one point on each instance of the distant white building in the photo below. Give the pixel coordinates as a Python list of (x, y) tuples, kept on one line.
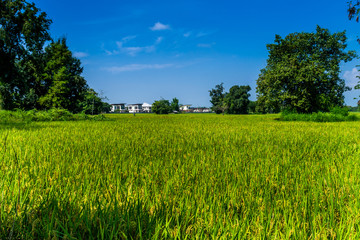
[(185, 107), (146, 107), (135, 108), (201, 109), (118, 107)]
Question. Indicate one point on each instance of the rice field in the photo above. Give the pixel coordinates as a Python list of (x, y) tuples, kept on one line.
[(186, 176)]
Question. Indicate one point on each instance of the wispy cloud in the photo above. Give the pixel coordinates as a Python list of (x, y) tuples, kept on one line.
[(80, 54), (187, 34), (159, 40), (206, 45), (351, 77), (137, 67), (159, 26), (204, 33), (128, 38), (133, 50)]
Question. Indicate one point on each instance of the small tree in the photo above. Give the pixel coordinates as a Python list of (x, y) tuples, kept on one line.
[(237, 100), (175, 105), (217, 95), (94, 104), (161, 107)]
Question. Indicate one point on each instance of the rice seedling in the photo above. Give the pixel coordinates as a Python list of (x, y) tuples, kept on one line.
[(187, 176)]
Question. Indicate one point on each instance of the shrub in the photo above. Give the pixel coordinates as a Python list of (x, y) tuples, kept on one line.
[(318, 117), (45, 116), (344, 111)]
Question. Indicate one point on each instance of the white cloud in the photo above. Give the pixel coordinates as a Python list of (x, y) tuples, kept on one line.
[(80, 54), (159, 26), (351, 77), (133, 51), (159, 40), (137, 67)]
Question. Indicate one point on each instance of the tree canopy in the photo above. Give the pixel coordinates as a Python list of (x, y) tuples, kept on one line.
[(175, 105), (63, 85), (237, 100), (217, 95), (24, 29), (32, 75), (302, 72), (161, 107)]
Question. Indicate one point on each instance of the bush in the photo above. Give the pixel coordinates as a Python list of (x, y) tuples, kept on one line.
[(344, 111), (340, 116), (45, 116)]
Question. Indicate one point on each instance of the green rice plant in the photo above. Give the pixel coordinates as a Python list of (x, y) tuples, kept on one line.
[(184, 176)]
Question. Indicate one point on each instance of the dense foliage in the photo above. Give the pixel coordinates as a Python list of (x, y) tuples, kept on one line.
[(183, 176), (217, 95), (302, 72), (161, 107), (55, 114), (23, 33), (236, 101), (336, 114), (354, 10), (33, 76), (175, 105), (93, 103)]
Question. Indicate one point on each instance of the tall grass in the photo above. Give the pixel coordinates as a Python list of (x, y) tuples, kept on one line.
[(180, 177)]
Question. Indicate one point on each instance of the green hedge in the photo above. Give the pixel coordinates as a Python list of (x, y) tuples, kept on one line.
[(44, 116)]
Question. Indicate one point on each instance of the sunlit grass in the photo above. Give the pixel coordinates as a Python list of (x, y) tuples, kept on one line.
[(180, 176)]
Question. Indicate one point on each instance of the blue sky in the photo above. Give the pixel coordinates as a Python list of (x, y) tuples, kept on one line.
[(140, 51)]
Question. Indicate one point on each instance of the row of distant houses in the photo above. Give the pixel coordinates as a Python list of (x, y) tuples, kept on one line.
[(147, 108), (131, 108), (188, 108)]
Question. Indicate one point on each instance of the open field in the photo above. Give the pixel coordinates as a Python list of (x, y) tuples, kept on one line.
[(180, 176)]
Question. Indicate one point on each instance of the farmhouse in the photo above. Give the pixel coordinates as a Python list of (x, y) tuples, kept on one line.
[(135, 108), (146, 108), (185, 108), (118, 107)]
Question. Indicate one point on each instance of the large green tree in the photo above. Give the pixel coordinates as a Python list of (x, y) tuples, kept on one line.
[(237, 100), (302, 72), (62, 84), (354, 10), (24, 29)]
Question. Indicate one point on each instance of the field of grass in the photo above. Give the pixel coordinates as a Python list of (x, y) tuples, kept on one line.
[(183, 176)]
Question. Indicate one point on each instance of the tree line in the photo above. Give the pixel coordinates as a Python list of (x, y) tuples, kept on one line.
[(36, 71), (301, 75)]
